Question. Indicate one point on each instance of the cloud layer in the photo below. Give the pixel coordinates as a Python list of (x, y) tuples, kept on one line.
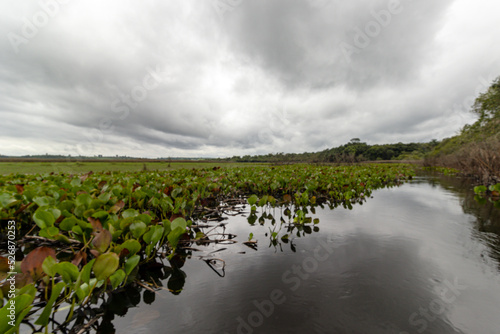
[(234, 77)]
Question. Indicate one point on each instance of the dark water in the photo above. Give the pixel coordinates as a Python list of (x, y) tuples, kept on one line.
[(420, 258)]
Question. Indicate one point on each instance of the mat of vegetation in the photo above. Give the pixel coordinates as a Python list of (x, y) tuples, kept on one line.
[(80, 237)]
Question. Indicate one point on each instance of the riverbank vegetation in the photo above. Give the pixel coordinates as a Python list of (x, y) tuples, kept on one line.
[(476, 150)]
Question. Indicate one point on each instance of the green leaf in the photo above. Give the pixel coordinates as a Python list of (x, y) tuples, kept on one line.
[(29, 289), (86, 270), (66, 205), (130, 213), (131, 263), (101, 215), (105, 265), (62, 238), (157, 235), (77, 230), (6, 199), (82, 291), (252, 199), (176, 192), (79, 210), (117, 278), (132, 245), (167, 225), (68, 223), (43, 218), (96, 204), (480, 189), (43, 319), (83, 200), (76, 182), (137, 229), (48, 266), (55, 212), (43, 200), (68, 271), (144, 218), (174, 236), (52, 231), (147, 236), (22, 304), (153, 235), (178, 222), (105, 197), (262, 201)]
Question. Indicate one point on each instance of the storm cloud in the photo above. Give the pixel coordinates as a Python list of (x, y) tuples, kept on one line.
[(235, 77)]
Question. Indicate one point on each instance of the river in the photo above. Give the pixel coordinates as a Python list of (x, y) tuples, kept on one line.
[(423, 257)]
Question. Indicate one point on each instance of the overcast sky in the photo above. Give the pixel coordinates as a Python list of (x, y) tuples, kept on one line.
[(234, 77)]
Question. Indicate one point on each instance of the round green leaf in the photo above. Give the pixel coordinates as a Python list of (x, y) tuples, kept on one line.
[(138, 229), (105, 265), (132, 245), (43, 218)]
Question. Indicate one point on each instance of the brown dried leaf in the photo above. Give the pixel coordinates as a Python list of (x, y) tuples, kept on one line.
[(20, 188), (287, 198), (96, 224), (124, 252), (4, 267), (95, 252), (79, 257), (102, 240), (32, 263), (117, 207), (85, 176)]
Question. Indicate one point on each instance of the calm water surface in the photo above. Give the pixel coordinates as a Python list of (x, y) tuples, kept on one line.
[(419, 258)]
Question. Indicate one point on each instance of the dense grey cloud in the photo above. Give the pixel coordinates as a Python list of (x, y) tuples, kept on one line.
[(234, 77)]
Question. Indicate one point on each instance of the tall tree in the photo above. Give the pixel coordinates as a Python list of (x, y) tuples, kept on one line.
[(487, 104)]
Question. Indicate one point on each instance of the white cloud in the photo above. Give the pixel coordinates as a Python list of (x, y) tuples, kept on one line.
[(267, 76)]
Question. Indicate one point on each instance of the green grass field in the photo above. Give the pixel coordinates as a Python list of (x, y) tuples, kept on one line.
[(7, 168)]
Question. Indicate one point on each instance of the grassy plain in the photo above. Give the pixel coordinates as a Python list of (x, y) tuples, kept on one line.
[(40, 167)]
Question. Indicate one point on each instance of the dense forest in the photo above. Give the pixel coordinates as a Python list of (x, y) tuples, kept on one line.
[(353, 151)]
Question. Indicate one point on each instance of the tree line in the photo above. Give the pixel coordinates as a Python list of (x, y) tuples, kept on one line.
[(353, 151)]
